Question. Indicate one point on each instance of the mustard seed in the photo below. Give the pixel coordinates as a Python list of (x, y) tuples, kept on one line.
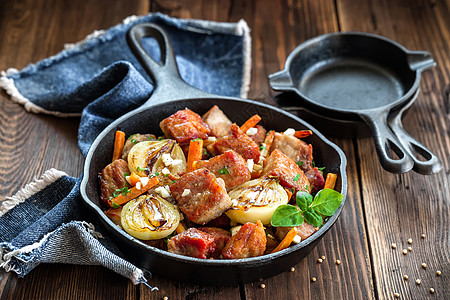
[(323, 257), (319, 260), (292, 269), (165, 298), (431, 290), (418, 281), (423, 235), (405, 251), (397, 295), (409, 241), (313, 279), (405, 276), (393, 245), (424, 265), (263, 286), (438, 273), (338, 262), (409, 249)]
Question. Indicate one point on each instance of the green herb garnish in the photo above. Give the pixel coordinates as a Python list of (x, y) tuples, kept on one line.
[(299, 163), (313, 210), (141, 169), (124, 191), (296, 178), (114, 205), (197, 139), (126, 174), (223, 171), (262, 147), (321, 168)]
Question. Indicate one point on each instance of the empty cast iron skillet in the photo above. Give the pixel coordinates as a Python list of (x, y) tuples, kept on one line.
[(172, 94), (353, 77)]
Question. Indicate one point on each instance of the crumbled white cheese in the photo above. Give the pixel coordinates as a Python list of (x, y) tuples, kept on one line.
[(127, 178), (138, 185), (234, 202), (162, 191), (144, 180), (251, 131), (166, 159), (165, 171), (176, 162), (211, 139), (167, 189), (289, 131), (186, 192), (297, 239), (250, 164)]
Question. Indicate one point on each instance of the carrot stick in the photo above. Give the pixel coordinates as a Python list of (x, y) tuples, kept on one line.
[(195, 153), (119, 142), (133, 193), (180, 228), (287, 240), (302, 133), (330, 181), (269, 139), (250, 123), (289, 193)]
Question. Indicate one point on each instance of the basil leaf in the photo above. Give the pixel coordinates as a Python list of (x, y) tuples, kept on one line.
[(286, 215), (312, 217), (304, 200), (327, 201)]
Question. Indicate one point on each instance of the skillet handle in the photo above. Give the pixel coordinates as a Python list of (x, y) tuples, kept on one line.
[(168, 83), (420, 60), (431, 164), (385, 140)]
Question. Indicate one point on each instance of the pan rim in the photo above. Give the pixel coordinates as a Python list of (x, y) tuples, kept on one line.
[(207, 262)]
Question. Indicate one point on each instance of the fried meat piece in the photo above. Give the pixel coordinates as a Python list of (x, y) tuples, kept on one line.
[(286, 170), (249, 241), (230, 166), (217, 121), (193, 243), (239, 142), (304, 231), (296, 149), (260, 134), (316, 180), (221, 237), (185, 125), (201, 196), (133, 140), (111, 178)]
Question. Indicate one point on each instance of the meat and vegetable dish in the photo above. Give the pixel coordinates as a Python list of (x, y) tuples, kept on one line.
[(211, 189)]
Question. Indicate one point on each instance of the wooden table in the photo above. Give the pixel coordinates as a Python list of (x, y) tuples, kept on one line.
[(381, 209)]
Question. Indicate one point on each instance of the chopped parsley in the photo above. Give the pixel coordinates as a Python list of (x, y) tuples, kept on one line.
[(299, 163), (262, 147), (321, 168), (126, 174), (223, 171), (114, 205), (141, 169), (133, 141), (197, 139), (124, 191), (296, 178)]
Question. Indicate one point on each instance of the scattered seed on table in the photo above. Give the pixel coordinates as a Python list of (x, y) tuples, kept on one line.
[(323, 257), (292, 269), (338, 262), (165, 298), (409, 249), (418, 281), (405, 276), (319, 260), (424, 265), (405, 251), (263, 286), (393, 245), (423, 235), (438, 273), (409, 241), (397, 295), (313, 279), (431, 290)]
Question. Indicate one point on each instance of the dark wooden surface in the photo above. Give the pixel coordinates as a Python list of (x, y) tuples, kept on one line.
[(382, 208)]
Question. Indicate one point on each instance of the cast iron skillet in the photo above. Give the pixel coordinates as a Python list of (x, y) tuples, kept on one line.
[(354, 77), (171, 95)]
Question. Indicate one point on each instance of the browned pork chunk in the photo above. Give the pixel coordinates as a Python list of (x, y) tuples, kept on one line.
[(133, 140), (315, 179), (230, 166), (299, 151), (217, 121), (201, 196), (286, 170), (221, 237), (260, 134), (304, 231), (249, 241), (193, 243), (185, 125), (112, 177), (239, 142)]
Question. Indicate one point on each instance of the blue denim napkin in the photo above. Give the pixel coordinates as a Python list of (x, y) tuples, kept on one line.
[(100, 79)]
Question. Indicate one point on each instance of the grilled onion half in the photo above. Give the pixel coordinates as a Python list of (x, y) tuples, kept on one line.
[(150, 217), (146, 157), (256, 200)]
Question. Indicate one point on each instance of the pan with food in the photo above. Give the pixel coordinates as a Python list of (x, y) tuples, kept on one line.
[(152, 159)]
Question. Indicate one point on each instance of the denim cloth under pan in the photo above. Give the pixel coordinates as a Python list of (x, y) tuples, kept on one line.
[(100, 79)]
